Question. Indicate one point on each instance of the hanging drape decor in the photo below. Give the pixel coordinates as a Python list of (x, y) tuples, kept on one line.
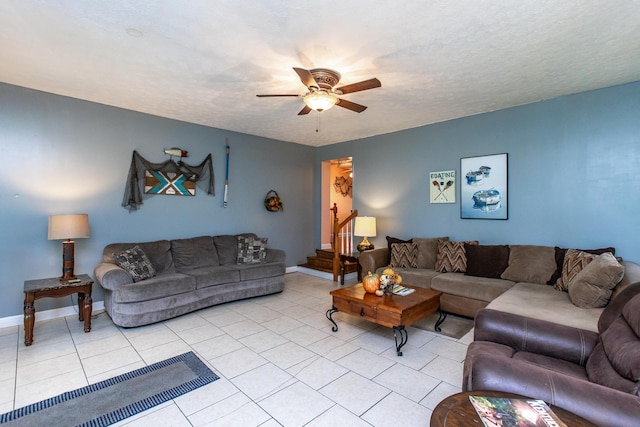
[(171, 178)]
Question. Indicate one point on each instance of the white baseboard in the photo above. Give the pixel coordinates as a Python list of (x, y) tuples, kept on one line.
[(9, 321), (324, 275), (6, 322)]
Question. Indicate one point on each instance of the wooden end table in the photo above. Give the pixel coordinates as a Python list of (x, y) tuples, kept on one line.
[(393, 311), (348, 259), (457, 411), (53, 287)]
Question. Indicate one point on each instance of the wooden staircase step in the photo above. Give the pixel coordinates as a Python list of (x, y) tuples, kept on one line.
[(324, 253), (320, 262), (324, 263), (348, 268), (315, 267)]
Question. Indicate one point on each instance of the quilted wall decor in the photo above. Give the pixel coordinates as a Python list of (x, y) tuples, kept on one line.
[(169, 183)]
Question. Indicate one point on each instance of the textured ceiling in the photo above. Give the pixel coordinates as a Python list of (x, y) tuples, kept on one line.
[(203, 61)]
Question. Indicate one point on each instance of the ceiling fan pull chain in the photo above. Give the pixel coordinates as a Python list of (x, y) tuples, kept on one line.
[(317, 121)]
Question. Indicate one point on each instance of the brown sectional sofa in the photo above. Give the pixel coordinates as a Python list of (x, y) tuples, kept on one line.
[(593, 374), (532, 339), (522, 286)]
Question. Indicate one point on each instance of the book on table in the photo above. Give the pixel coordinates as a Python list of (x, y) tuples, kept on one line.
[(502, 411), (401, 290)]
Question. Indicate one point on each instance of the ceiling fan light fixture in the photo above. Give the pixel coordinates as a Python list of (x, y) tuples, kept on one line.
[(320, 100)]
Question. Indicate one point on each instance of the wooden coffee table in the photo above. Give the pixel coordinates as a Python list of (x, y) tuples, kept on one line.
[(393, 311)]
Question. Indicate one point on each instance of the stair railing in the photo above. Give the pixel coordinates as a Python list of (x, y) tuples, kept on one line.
[(342, 238)]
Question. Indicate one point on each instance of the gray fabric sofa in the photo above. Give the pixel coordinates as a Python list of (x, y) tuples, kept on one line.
[(520, 285), (190, 274)]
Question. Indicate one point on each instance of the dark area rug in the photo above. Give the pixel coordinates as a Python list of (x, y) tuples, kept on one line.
[(117, 398), (453, 326)]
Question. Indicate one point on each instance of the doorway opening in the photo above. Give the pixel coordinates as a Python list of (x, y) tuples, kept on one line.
[(337, 187)]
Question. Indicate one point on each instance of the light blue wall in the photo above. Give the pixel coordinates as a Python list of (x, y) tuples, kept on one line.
[(573, 180), (63, 155), (574, 173)]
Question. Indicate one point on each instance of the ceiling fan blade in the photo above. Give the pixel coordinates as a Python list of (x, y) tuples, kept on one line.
[(357, 87), (266, 96), (306, 77), (351, 105), (305, 110)]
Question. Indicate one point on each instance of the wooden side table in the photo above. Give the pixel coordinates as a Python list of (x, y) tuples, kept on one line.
[(53, 287), (347, 259), (457, 411)]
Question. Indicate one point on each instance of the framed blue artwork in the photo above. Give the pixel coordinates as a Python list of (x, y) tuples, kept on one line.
[(483, 190)]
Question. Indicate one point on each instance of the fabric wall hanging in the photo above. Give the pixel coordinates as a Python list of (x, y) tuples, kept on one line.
[(172, 178)]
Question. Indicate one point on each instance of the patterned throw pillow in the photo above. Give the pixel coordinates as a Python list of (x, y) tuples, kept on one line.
[(391, 241), (559, 256), (452, 257), (135, 262), (404, 255), (574, 262), (252, 251)]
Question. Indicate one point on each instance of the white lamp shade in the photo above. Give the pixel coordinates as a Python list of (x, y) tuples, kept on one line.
[(365, 226), (73, 226)]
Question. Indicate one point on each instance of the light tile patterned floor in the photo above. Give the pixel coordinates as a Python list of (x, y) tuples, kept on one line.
[(278, 360)]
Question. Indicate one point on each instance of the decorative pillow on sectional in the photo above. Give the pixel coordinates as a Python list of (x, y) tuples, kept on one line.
[(428, 251), (574, 262), (530, 263), (252, 250), (591, 287), (404, 255), (560, 253), (452, 257), (391, 241), (486, 260), (135, 262)]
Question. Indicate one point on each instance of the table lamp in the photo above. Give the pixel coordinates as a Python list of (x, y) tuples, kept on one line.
[(73, 226), (365, 227)]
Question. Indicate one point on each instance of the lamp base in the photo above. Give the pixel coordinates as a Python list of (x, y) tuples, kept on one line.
[(66, 277), (67, 261), (365, 245)]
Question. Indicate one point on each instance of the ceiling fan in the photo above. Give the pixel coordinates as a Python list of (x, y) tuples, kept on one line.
[(323, 94)]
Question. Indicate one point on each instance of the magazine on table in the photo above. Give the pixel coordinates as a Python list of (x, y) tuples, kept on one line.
[(501, 411), (401, 290)]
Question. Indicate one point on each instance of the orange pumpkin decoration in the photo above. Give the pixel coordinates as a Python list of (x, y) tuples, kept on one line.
[(371, 282)]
